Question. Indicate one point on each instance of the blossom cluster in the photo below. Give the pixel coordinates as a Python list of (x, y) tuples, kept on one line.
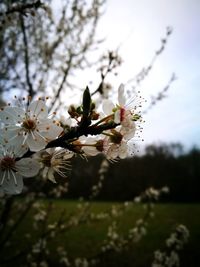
[(176, 241), (115, 241), (33, 141)]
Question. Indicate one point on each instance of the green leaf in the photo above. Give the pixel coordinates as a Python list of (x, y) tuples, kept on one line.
[(86, 102)]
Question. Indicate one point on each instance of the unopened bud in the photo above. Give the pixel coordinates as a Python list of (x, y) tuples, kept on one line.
[(94, 115), (72, 112), (77, 146), (99, 145)]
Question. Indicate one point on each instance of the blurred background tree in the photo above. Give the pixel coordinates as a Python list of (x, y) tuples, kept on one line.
[(42, 44)]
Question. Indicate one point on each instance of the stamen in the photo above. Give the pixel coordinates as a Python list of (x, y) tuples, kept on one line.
[(29, 124), (15, 179), (4, 175), (8, 175), (34, 138), (44, 138)]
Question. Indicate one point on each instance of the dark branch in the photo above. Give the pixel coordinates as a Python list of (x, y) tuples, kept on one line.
[(17, 223), (26, 58), (5, 213), (65, 141), (22, 8)]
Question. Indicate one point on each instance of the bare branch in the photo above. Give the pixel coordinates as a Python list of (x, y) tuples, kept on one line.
[(161, 94), (22, 8), (26, 58), (66, 72)]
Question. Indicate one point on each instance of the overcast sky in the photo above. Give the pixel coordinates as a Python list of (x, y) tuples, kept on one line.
[(138, 26)]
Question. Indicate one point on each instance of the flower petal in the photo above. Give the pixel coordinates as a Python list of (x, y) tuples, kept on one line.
[(13, 138), (117, 116), (90, 150), (36, 143), (38, 109), (9, 185), (123, 150), (107, 107), (121, 96), (49, 129), (11, 114), (51, 175), (27, 167), (68, 154)]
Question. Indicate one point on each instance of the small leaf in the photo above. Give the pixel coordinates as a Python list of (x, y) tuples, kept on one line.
[(86, 102)]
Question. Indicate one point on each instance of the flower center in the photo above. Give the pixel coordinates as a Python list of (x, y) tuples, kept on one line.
[(7, 163), (46, 160), (122, 114), (29, 124), (116, 137)]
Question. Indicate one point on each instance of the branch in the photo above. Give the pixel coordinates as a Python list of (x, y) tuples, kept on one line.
[(161, 94), (73, 134), (5, 213), (22, 8), (113, 62), (17, 223), (66, 72), (26, 58)]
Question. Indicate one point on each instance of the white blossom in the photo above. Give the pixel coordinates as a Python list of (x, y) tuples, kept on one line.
[(124, 113), (91, 145), (12, 170), (29, 125), (55, 161)]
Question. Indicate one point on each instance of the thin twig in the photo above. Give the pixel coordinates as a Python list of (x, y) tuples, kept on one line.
[(160, 95), (5, 213), (66, 73), (17, 223)]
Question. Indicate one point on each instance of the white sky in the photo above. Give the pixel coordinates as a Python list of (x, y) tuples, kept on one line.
[(139, 26)]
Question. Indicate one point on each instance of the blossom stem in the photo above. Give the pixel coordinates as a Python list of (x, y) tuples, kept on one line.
[(104, 119), (107, 134), (84, 145)]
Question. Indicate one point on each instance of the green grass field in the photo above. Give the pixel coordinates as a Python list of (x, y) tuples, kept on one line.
[(86, 239)]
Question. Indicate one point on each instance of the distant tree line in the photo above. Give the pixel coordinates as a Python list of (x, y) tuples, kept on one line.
[(160, 165)]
